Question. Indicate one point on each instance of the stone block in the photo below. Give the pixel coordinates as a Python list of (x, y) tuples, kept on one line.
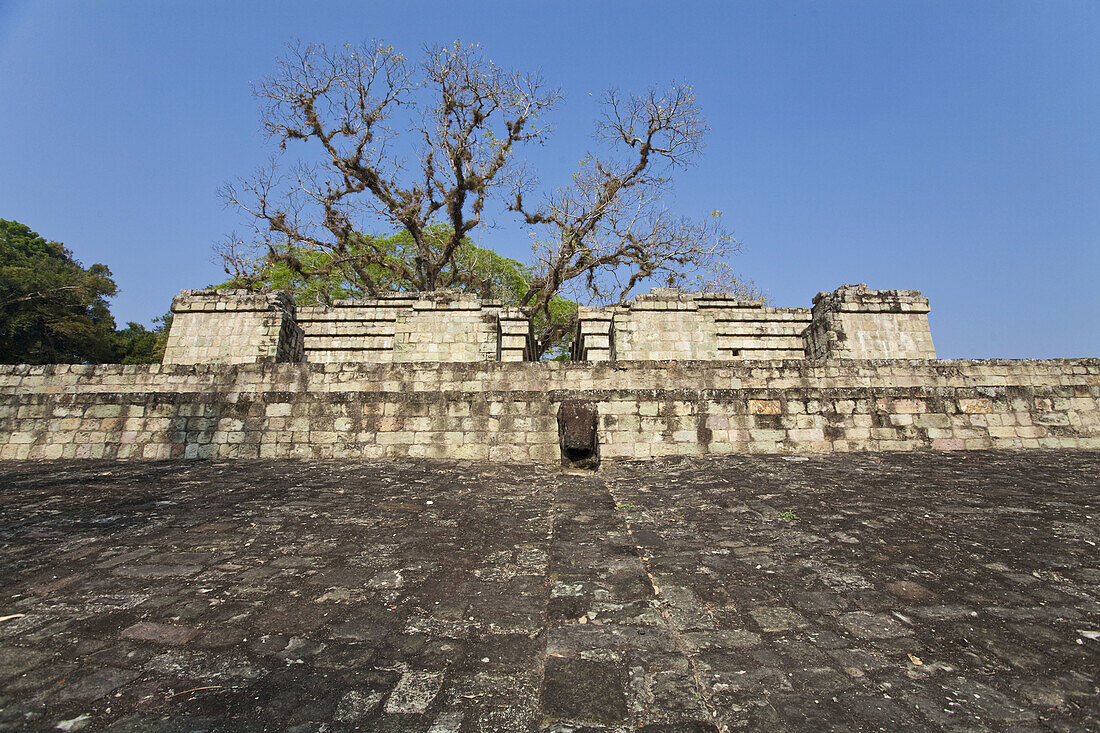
[(765, 407), (979, 406)]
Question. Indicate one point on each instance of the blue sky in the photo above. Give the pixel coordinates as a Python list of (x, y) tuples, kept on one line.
[(951, 147)]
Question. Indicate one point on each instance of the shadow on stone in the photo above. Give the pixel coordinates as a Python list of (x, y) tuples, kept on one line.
[(580, 447)]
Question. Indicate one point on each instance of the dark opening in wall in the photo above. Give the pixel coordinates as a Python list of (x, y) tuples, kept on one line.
[(577, 434)]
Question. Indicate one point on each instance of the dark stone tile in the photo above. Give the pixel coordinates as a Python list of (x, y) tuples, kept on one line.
[(273, 595), (16, 660), (159, 633), (95, 684), (584, 691)]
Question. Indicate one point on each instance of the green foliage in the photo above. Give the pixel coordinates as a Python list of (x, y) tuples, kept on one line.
[(510, 280), (316, 277), (137, 344), (52, 310), (788, 515)]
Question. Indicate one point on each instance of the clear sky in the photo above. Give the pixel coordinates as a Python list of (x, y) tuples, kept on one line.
[(951, 147)]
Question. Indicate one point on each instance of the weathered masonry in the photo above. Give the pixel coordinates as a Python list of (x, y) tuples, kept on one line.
[(509, 411), (851, 322), (855, 322), (238, 327), (232, 327), (668, 324), (446, 375)]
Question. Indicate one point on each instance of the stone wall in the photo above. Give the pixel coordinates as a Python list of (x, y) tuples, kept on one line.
[(232, 327), (359, 330), (236, 326), (507, 411), (855, 322), (460, 328), (754, 331), (669, 324), (665, 324)]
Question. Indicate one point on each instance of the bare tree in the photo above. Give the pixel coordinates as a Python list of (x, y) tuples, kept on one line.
[(611, 229), (595, 240), (358, 105)]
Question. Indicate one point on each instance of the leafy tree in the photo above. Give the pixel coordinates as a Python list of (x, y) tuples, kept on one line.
[(318, 277), (137, 344), (52, 309), (359, 114)]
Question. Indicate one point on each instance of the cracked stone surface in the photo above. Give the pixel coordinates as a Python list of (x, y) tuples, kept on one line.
[(869, 592)]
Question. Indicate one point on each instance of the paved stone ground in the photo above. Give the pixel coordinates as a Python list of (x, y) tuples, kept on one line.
[(860, 592)]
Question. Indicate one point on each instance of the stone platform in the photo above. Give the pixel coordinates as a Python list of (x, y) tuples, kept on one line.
[(840, 592)]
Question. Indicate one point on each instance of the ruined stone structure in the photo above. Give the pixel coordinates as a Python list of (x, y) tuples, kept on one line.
[(852, 322), (509, 411), (669, 324), (416, 327), (237, 327), (232, 327), (447, 375), (855, 322)]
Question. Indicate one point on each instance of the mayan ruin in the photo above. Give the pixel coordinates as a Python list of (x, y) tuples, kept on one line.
[(571, 367), (445, 375)]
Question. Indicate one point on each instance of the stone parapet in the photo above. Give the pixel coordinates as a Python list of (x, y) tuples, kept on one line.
[(855, 322), (515, 336), (754, 331), (664, 299), (212, 300), (508, 411), (669, 324), (240, 327), (447, 326), (233, 327), (592, 340), (861, 299), (353, 330)]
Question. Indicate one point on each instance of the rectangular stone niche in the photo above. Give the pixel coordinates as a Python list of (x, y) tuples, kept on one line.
[(578, 434)]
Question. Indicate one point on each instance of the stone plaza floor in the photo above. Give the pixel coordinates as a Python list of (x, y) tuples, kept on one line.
[(845, 592)]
